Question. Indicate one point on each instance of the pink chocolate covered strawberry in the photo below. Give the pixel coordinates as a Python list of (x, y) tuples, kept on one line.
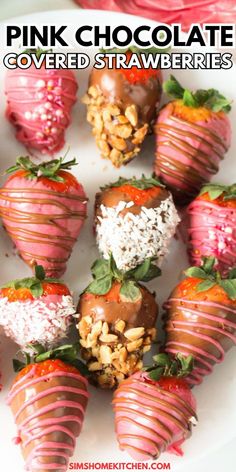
[(122, 106), (155, 409), (193, 134), (48, 400), (36, 310), (212, 226), (200, 318), (39, 103), (43, 208)]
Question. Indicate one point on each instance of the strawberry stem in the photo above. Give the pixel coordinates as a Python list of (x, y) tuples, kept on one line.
[(210, 98), (216, 190), (37, 51), (34, 284), (37, 353), (166, 366), (48, 169), (143, 183), (105, 272)]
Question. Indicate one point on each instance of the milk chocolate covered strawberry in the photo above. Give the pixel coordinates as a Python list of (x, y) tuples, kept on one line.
[(39, 103), (117, 318), (43, 208), (201, 318), (36, 309), (48, 400), (135, 219), (122, 105), (212, 226), (193, 134), (155, 409)]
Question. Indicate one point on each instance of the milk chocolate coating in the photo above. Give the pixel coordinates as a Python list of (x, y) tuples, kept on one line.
[(111, 197), (204, 329), (116, 88), (29, 428), (143, 312)]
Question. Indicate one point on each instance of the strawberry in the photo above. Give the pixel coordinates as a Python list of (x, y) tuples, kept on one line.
[(39, 103), (155, 409), (134, 219), (36, 309), (43, 207), (200, 318), (193, 134), (117, 318), (212, 226), (48, 400), (121, 106)]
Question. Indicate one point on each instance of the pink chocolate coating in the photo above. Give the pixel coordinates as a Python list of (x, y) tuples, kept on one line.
[(212, 232), (44, 224), (39, 103), (49, 412), (150, 420), (188, 154)]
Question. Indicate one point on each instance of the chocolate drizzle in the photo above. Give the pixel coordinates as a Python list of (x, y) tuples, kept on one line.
[(149, 419), (49, 413), (46, 235), (204, 329), (187, 155)]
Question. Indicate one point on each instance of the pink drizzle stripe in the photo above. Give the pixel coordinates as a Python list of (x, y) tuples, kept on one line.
[(54, 423), (191, 328), (212, 231)]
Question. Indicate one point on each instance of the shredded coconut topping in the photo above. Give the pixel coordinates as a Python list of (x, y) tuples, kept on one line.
[(41, 320), (132, 238)]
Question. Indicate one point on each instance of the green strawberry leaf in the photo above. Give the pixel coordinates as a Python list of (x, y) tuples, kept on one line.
[(173, 88), (196, 272), (210, 98), (140, 272), (48, 169), (166, 366), (100, 268), (206, 285), (130, 290), (229, 287), (208, 264), (188, 99), (232, 273), (100, 286), (18, 365), (214, 190), (39, 272), (143, 183), (38, 52)]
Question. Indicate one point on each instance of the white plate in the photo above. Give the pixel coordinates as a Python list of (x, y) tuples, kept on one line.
[(216, 397)]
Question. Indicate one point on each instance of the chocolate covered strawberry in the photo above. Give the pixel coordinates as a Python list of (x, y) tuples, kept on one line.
[(43, 208), (39, 103), (48, 400), (193, 134), (36, 310), (117, 318), (121, 107), (155, 410), (212, 226), (135, 219), (201, 318)]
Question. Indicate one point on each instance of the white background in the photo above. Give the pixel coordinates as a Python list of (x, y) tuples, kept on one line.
[(225, 458)]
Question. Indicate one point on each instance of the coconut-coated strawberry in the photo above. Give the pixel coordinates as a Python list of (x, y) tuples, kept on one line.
[(48, 400), (36, 309), (117, 317), (39, 103), (121, 106), (134, 219), (193, 133), (200, 318), (211, 220), (155, 409), (43, 208)]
